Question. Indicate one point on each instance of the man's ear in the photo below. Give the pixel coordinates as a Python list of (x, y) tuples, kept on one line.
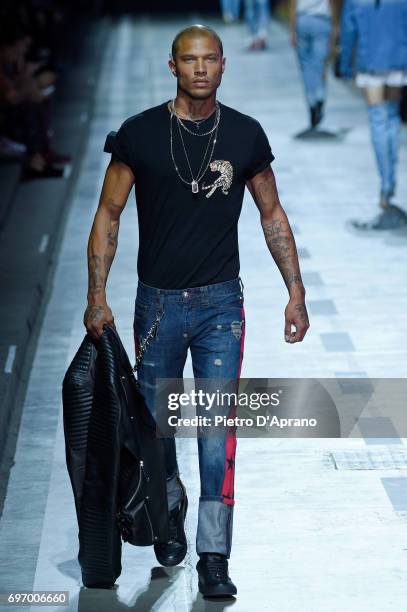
[(223, 64), (172, 66)]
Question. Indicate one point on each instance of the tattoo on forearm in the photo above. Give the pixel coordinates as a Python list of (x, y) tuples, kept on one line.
[(277, 240), (113, 233), (108, 260), (98, 273), (281, 245), (277, 231), (112, 239), (96, 277), (293, 279)]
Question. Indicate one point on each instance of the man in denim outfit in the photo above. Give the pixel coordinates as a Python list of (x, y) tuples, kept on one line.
[(377, 31), (313, 29), (189, 160)]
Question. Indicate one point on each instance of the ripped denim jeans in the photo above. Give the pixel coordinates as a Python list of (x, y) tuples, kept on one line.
[(210, 322)]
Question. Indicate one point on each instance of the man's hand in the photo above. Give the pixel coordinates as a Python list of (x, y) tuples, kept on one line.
[(295, 314), (96, 315)]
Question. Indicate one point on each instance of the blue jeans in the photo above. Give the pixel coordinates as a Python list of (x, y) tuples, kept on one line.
[(231, 8), (210, 322), (313, 33), (257, 15), (385, 122)]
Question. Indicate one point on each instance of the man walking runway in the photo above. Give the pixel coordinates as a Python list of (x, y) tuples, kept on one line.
[(189, 160)]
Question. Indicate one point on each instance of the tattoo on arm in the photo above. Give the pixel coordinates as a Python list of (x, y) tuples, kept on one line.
[(99, 265), (280, 242), (277, 231), (96, 280), (112, 240)]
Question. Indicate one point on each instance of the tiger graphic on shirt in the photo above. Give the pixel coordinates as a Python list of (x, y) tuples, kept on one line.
[(224, 180)]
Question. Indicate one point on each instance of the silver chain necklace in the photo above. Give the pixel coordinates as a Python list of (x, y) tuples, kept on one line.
[(195, 181), (197, 123)]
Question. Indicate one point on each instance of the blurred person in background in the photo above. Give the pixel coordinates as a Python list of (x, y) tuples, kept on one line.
[(230, 10), (257, 17), (377, 29), (314, 29), (24, 93)]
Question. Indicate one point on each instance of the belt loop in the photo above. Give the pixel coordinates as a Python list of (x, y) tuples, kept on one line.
[(205, 295), (159, 301), (241, 284)]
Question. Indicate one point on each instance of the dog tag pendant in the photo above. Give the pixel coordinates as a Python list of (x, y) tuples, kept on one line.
[(194, 187)]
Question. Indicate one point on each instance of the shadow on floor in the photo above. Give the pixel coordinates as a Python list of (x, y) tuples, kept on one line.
[(322, 134), (162, 580)]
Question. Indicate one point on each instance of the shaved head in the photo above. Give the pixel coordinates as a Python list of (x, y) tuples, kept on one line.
[(195, 31)]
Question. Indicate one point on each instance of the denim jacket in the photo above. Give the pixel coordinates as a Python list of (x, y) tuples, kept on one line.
[(378, 30)]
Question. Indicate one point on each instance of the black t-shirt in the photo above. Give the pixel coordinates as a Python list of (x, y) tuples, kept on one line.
[(189, 239)]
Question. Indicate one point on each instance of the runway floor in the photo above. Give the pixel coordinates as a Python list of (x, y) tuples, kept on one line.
[(307, 536)]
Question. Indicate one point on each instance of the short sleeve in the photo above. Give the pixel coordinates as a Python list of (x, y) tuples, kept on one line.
[(118, 144), (261, 155)]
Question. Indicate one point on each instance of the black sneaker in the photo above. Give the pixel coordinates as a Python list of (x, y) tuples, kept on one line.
[(99, 585), (174, 551), (213, 577), (313, 116), (317, 113)]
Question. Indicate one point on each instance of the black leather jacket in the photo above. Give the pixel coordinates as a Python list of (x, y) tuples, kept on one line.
[(115, 460)]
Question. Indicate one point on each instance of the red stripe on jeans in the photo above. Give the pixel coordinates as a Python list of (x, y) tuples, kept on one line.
[(229, 477)]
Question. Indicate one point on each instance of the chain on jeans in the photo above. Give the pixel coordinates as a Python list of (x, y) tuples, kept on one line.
[(151, 333)]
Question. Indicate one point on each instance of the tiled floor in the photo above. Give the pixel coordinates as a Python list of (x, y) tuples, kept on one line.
[(307, 536)]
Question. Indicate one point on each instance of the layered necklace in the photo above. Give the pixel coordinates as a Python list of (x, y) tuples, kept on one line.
[(212, 133)]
